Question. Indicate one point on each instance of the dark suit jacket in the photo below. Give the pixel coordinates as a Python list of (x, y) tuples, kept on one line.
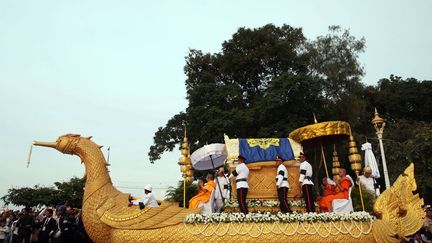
[(46, 228)]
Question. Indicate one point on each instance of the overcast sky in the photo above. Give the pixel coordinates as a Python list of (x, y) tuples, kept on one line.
[(114, 70)]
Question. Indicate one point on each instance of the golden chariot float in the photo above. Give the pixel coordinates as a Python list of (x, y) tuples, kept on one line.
[(107, 217)]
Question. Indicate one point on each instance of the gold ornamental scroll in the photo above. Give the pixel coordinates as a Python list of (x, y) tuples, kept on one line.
[(263, 143)]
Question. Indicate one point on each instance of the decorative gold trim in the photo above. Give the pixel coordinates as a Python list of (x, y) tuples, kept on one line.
[(319, 130), (263, 143)]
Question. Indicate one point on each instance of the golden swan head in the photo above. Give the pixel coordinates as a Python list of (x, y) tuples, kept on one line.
[(67, 144)]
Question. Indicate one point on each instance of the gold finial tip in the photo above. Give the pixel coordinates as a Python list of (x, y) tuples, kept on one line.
[(377, 119)]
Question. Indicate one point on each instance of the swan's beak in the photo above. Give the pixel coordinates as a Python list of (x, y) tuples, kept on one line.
[(45, 144)]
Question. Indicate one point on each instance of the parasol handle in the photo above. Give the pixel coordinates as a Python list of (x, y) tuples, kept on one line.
[(217, 180), (229, 186), (360, 190), (325, 162)]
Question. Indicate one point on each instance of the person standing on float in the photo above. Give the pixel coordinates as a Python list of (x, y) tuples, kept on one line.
[(306, 183), (282, 185), (221, 190), (241, 173)]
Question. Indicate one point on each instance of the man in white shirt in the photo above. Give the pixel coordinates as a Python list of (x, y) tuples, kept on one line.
[(148, 199), (221, 190), (306, 183), (368, 181), (282, 185), (241, 173)]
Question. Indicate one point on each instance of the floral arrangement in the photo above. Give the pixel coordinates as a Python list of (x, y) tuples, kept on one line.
[(266, 203), (279, 217)]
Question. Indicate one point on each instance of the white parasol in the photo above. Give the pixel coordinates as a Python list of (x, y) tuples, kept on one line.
[(209, 157), (370, 160)]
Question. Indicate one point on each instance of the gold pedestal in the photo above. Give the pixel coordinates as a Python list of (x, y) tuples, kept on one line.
[(262, 180)]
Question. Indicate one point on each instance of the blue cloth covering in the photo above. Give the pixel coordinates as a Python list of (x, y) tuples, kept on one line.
[(257, 154)]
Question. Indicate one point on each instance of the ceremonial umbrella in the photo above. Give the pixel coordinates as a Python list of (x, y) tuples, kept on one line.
[(329, 132), (321, 133), (369, 159), (209, 157)]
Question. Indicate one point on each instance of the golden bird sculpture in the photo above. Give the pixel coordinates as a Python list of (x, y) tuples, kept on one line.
[(107, 217)]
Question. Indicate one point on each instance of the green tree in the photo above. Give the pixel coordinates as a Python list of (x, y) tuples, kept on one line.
[(175, 194), (254, 85), (334, 61), (71, 191), (406, 106)]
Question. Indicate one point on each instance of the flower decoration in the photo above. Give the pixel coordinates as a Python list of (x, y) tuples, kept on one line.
[(279, 217)]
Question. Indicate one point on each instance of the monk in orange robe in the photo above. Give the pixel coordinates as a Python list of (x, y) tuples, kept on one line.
[(342, 187), (328, 186), (204, 193)]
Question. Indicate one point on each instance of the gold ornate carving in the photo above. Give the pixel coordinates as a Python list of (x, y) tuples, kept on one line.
[(263, 143), (262, 183), (319, 130), (108, 219), (399, 207)]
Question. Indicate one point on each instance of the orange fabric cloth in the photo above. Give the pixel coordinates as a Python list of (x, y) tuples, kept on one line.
[(326, 201), (202, 196), (329, 190)]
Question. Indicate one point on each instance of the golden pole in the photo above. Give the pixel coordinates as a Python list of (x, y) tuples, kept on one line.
[(184, 192), (325, 162), (355, 160), (360, 190), (322, 150), (185, 165)]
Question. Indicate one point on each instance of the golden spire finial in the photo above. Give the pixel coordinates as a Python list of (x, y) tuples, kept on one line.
[(185, 135), (315, 120), (378, 122), (336, 163), (185, 161)]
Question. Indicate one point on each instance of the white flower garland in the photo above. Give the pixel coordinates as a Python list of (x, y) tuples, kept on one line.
[(266, 203), (279, 217)]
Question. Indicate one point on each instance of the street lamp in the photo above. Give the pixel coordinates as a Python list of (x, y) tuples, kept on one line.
[(379, 124)]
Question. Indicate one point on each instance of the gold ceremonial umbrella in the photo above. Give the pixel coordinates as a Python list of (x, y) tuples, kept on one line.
[(321, 133), (327, 133)]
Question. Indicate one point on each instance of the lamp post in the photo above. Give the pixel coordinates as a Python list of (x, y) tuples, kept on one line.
[(379, 124)]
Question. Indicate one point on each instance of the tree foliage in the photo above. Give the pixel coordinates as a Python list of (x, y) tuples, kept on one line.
[(267, 81), (71, 191), (254, 85), (175, 194)]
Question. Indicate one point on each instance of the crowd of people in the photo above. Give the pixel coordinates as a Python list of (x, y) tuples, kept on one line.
[(61, 224)]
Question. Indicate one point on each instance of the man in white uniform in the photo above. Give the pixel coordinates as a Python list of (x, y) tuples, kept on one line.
[(306, 183), (282, 185), (221, 187), (368, 181), (241, 173), (148, 199)]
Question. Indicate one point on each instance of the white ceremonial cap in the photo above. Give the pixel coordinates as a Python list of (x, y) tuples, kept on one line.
[(148, 188)]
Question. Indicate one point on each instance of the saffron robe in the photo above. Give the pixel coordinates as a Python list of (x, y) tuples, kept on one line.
[(202, 196), (325, 202), (329, 190)]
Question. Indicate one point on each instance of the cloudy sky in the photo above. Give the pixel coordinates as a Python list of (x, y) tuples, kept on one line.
[(114, 70)]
